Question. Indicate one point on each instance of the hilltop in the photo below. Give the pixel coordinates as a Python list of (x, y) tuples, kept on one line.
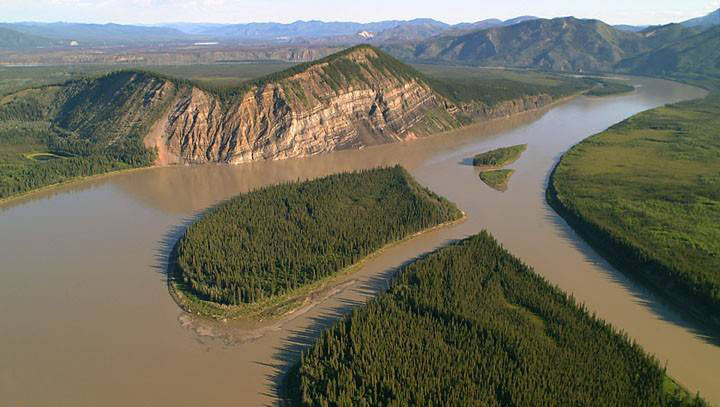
[(561, 44), (708, 20)]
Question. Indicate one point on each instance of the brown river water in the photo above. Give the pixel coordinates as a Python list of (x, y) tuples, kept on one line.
[(86, 318)]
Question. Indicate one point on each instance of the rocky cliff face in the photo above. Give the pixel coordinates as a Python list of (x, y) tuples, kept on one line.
[(352, 99), (348, 101), (507, 108)]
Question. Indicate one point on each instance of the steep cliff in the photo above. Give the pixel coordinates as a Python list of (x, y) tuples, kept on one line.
[(352, 99)]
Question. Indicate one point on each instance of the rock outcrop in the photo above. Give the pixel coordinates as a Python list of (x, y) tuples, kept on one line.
[(352, 99), (349, 100), (507, 108)]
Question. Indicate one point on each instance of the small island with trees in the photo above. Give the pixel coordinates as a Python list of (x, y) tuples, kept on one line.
[(491, 162), (261, 254), (497, 179)]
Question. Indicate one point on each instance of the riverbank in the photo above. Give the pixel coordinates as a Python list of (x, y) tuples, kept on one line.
[(87, 267), (69, 182), (152, 140), (278, 308), (629, 260)]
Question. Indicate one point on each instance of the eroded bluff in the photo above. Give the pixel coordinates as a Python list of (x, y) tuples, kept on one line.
[(353, 100)]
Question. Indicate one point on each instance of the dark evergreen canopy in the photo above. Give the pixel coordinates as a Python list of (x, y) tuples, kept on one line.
[(275, 239)]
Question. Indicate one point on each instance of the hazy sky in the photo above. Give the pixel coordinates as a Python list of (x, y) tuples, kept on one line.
[(451, 11)]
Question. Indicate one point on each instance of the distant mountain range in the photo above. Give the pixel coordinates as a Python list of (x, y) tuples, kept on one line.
[(709, 20), (13, 40), (94, 34), (559, 44)]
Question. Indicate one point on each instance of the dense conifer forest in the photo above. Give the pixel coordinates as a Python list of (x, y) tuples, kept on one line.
[(471, 325), (85, 134), (273, 240)]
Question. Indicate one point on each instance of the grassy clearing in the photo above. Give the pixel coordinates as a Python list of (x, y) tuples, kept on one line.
[(497, 179), (46, 156), (499, 157), (646, 193)]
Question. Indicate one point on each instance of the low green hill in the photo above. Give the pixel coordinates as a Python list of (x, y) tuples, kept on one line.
[(14, 40)]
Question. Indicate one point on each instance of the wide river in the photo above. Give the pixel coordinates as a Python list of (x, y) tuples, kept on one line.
[(86, 319)]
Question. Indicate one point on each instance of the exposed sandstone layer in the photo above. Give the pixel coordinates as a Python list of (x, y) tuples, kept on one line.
[(353, 99), (348, 102)]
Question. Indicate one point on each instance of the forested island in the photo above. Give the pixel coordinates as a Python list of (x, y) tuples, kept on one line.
[(646, 194), (499, 157), (470, 324), (491, 162), (497, 179), (265, 246)]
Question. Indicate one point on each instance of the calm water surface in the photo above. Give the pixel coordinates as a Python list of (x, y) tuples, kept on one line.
[(86, 320)]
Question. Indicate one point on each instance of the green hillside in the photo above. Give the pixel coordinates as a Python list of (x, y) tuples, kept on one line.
[(659, 36), (685, 59), (90, 126), (561, 44)]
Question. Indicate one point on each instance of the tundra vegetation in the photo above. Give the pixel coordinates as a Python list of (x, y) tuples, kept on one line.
[(646, 193)]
